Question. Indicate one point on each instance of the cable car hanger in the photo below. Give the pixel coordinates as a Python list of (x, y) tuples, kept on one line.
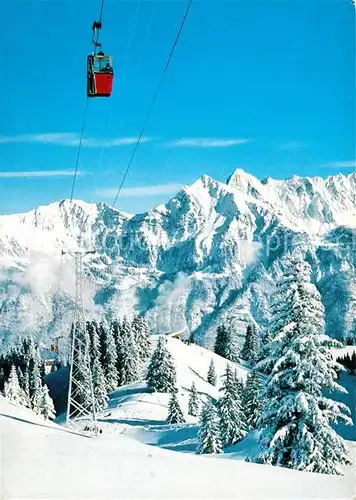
[(97, 25)]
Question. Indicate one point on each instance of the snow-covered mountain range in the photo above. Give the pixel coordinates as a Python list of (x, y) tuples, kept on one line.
[(211, 254)]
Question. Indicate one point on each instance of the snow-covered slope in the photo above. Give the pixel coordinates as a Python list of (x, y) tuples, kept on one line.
[(211, 253), (134, 410), (43, 460), (135, 403), (138, 456)]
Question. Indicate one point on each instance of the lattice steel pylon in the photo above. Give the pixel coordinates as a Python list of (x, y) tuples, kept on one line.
[(81, 415)]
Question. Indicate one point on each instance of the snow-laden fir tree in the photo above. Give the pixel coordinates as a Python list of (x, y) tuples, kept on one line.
[(99, 387), (95, 347), (23, 381), (34, 376), (142, 337), (211, 376), (232, 425), (12, 389), (161, 372), (279, 310), (126, 350), (296, 418), (252, 400), (47, 407), (240, 387), (209, 434), (21, 378), (130, 362), (25, 352), (2, 380), (226, 343), (175, 414), (251, 347), (193, 402), (109, 357), (115, 330)]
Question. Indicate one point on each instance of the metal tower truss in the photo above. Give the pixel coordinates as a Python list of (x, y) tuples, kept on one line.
[(81, 415)]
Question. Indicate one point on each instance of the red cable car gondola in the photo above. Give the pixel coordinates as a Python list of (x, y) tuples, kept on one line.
[(100, 72)]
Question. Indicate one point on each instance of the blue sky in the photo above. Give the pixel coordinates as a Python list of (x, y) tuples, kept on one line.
[(263, 85)]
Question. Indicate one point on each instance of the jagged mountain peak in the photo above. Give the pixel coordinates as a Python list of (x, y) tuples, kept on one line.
[(243, 181)]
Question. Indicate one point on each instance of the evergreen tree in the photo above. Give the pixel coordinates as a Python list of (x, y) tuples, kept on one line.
[(252, 400), (2, 380), (116, 333), (349, 362), (109, 357), (142, 337), (23, 381), (280, 307), (251, 348), (226, 343), (296, 417), (47, 407), (161, 372), (238, 384), (209, 434), (26, 382), (211, 376), (193, 403), (232, 425), (21, 378), (129, 357), (89, 325), (12, 389), (123, 335), (34, 376), (95, 344), (175, 414), (99, 387)]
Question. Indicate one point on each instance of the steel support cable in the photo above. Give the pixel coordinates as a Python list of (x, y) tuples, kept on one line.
[(78, 153), (153, 101), (79, 149), (85, 112)]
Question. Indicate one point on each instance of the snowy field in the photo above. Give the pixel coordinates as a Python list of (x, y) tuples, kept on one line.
[(43, 461), (137, 456)]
